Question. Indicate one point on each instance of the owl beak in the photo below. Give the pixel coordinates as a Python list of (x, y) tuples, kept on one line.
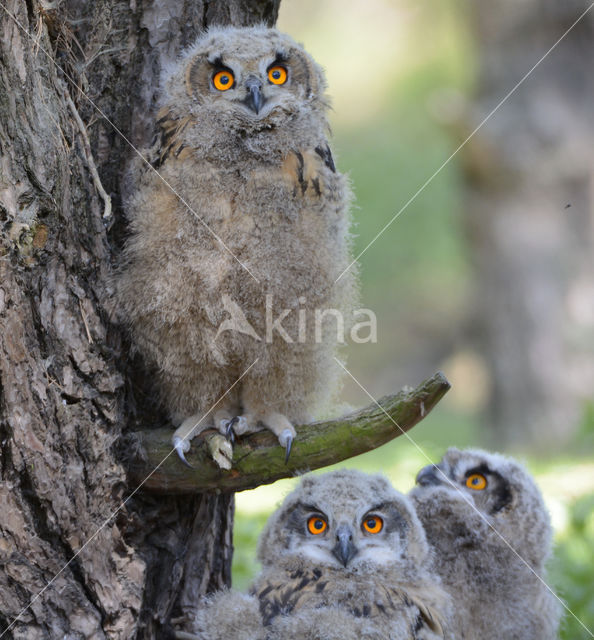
[(429, 476), (254, 99), (344, 549)]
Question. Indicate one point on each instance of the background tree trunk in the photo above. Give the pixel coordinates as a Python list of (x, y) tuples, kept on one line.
[(531, 216), (89, 566)]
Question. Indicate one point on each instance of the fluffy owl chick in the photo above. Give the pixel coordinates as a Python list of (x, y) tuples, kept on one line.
[(484, 516), (229, 615), (228, 278), (346, 557)]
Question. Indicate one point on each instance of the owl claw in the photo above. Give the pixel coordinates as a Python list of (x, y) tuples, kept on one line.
[(181, 446), (229, 433), (288, 448), (286, 440)]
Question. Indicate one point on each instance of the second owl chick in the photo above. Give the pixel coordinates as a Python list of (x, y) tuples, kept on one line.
[(485, 518), (344, 558)]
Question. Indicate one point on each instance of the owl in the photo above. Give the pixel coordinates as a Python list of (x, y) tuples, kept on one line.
[(343, 558), (486, 521), (235, 281)]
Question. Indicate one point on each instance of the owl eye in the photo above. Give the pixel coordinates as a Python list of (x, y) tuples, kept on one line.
[(373, 524), (223, 80), (476, 481), (316, 525), (277, 74)]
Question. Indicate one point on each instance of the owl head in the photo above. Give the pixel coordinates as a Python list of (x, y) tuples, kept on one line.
[(247, 87), (494, 492), (345, 520)]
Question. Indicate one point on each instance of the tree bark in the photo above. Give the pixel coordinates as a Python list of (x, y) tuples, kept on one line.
[(531, 217), (76, 562)]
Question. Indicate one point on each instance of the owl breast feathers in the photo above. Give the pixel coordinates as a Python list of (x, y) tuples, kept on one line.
[(237, 237), (344, 557)]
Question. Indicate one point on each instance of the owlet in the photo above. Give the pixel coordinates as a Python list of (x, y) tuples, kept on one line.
[(238, 235), (486, 521), (343, 558)]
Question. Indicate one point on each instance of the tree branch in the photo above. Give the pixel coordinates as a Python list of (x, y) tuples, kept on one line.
[(259, 459)]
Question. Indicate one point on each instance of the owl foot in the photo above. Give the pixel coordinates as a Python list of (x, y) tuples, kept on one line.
[(181, 446), (282, 429), (190, 427), (275, 422), (221, 450), (236, 426)]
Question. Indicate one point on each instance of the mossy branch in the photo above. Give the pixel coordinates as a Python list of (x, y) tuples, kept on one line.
[(259, 459)]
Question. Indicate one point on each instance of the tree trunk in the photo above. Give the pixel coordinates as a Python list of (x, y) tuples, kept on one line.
[(76, 561), (531, 216)]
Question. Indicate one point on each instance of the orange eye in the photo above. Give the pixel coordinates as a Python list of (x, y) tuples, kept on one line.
[(316, 525), (476, 481), (223, 80), (373, 524), (277, 75)]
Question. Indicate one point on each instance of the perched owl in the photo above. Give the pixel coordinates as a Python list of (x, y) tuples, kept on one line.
[(344, 558), (236, 240), (484, 516)]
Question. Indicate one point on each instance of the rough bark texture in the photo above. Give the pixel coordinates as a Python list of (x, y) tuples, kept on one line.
[(64, 379), (531, 216)]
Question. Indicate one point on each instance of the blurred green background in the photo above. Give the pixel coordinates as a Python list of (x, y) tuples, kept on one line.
[(396, 69)]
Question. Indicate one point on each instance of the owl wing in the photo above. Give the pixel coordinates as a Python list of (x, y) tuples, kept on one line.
[(167, 141), (434, 611), (282, 594), (312, 174)]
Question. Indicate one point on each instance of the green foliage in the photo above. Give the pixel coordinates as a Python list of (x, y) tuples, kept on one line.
[(586, 431), (572, 568), (245, 538)]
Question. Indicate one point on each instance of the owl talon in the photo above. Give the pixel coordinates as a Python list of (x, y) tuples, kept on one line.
[(182, 446), (229, 433), (286, 440), (288, 448)]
